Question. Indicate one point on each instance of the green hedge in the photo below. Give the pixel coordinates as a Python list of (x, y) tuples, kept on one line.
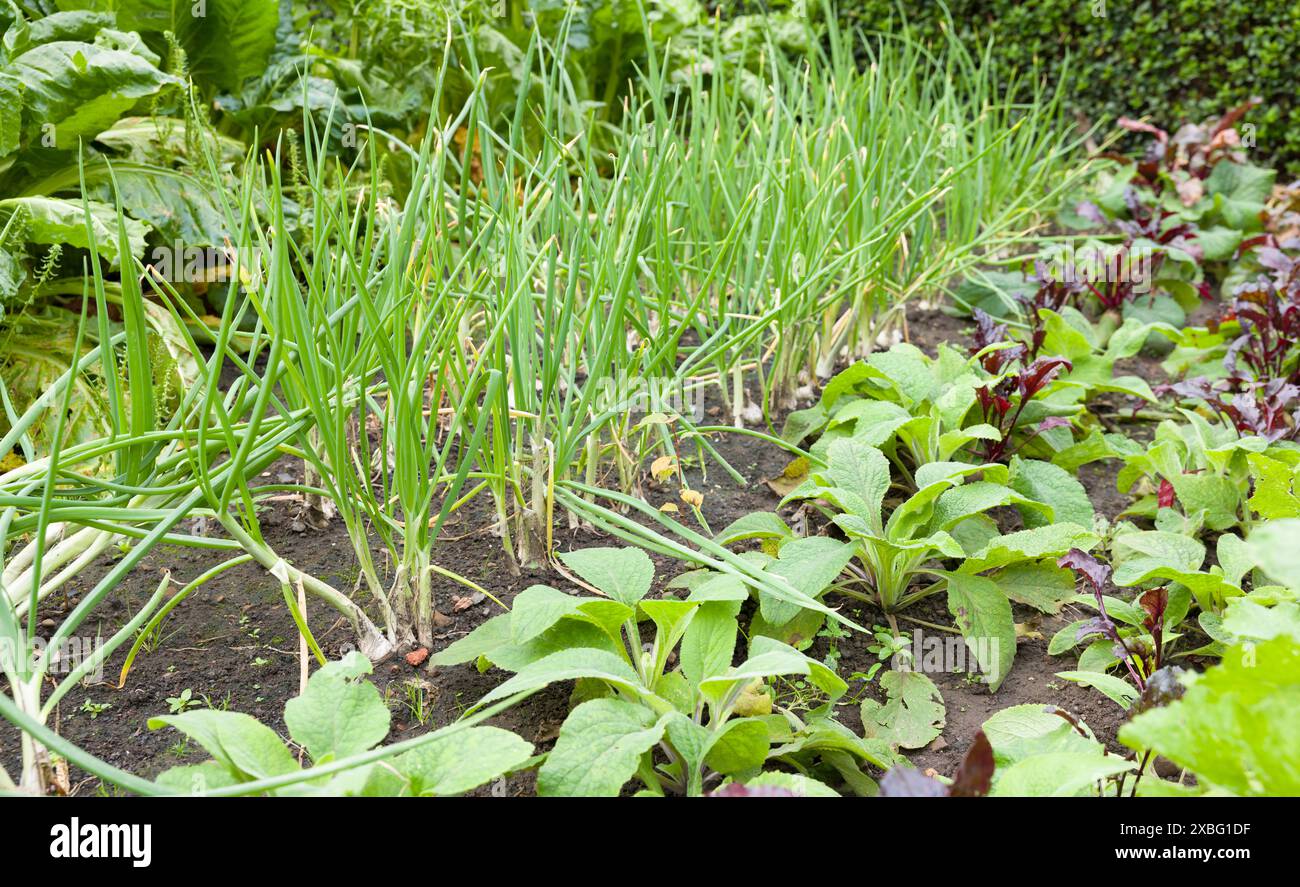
[(1176, 61)]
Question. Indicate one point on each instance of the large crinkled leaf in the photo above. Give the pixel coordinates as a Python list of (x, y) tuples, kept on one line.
[(1053, 486), (599, 749), (798, 786), (1236, 725), (246, 748), (12, 275), (50, 220), (710, 641), (908, 370), (1041, 584), (460, 761), (960, 503), (755, 525), (913, 715), (1250, 620), (181, 207), (1275, 489), (11, 107), (983, 614), (74, 90), (1275, 546), (769, 658), (873, 422), (1040, 542), (1143, 555), (340, 713), (862, 470), (624, 574), (230, 42)]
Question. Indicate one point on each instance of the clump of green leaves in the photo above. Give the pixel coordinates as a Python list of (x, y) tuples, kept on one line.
[(339, 717), (671, 712)]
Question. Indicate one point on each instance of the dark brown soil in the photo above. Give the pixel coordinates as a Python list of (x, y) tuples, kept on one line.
[(233, 643)]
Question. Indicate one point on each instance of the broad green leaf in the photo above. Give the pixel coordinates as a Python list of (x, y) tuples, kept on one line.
[(907, 369), (12, 275), (741, 746), (1138, 556), (196, 778), (1249, 620), (1275, 487), (480, 642), (1275, 546), (340, 713), (797, 785), (983, 614), (710, 641), (1235, 726), (230, 42), (180, 207), (1240, 191), (73, 90), (599, 749), (52, 220), (624, 574), (755, 525), (537, 608), (1053, 486), (248, 749), (862, 470), (1042, 585), (461, 760), (810, 565), (11, 106), (1057, 775), (1040, 542), (1024, 731)]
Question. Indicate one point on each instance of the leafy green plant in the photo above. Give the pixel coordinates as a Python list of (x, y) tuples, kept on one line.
[(677, 692), (1195, 474), (178, 704), (943, 523), (1228, 726), (339, 718)]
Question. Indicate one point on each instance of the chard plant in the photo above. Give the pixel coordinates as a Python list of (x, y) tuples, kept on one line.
[(667, 708)]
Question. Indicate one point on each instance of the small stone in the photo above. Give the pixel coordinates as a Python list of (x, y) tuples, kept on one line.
[(416, 657)]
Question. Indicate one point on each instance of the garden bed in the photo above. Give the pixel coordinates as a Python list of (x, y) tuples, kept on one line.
[(233, 643)]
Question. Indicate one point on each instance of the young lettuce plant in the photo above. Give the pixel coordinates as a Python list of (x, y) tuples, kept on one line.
[(1195, 475), (671, 712)]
